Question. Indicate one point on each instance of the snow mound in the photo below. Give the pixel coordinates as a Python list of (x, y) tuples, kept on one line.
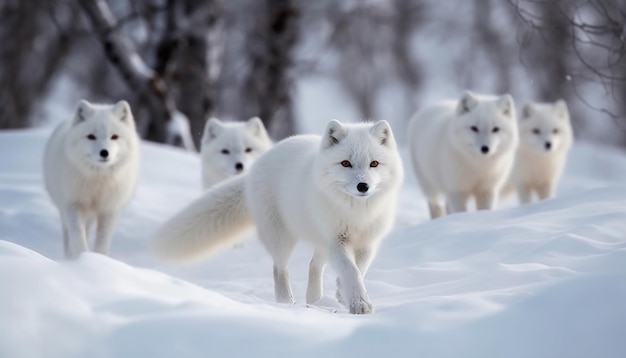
[(541, 280)]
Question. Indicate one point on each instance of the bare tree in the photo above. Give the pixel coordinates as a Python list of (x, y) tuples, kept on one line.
[(268, 88), (33, 49), (373, 44), (189, 57), (492, 43), (167, 123), (584, 42)]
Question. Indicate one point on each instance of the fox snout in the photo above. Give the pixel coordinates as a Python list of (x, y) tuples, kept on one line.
[(362, 187)]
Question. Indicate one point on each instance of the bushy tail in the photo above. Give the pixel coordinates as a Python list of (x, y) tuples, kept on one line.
[(212, 221)]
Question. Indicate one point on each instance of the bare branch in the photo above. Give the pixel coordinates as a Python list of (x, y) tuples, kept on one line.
[(135, 72)]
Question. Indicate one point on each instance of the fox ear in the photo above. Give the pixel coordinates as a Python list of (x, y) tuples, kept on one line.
[(212, 128), (83, 109), (255, 126), (506, 105), (561, 109), (382, 131), (334, 133), (527, 111), (467, 102), (122, 111)]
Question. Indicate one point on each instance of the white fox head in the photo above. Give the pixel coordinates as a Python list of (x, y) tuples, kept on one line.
[(359, 160), (101, 135), (485, 125), (545, 127), (230, 148)]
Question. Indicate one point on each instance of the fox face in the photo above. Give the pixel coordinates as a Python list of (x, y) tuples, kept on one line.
[(485, 125), (545, 127), (358, 160), (101, 136), (231, 148)]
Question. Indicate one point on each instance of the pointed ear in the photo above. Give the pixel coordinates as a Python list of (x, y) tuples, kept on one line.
[(382, 131), (527, 111), (122, 111), (255, 126), (212, 128), (467, 102), (561, 109), (83, 110), (334, 133), (506, 105)]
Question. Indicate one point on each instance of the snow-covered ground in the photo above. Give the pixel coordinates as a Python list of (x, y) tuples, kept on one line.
[(543, 280)]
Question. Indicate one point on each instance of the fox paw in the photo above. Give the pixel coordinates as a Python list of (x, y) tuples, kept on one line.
[(361, 307)]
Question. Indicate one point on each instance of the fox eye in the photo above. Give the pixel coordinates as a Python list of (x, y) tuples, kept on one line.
[(555, 131), (248, 150), (536, 131), (495, 129), (374, 164), (474, 129), (225, 151), (114, 137), (91, 137), (346, 164)]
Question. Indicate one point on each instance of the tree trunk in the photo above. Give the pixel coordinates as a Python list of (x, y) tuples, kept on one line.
[(189, 57), (269, 86), (26, 70), (167, 125)]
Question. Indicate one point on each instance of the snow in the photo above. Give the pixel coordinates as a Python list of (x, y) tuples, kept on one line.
[(542, 280)]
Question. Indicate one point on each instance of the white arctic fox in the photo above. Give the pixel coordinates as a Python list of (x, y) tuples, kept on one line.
[(337, 192), (545, 139), (230, 148), (462, 149), (91, 165)]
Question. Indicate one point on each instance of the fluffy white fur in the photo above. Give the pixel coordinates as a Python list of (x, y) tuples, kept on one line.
[(463, 149), (91, 165), (337, 192), (230, 148), (545, 139)]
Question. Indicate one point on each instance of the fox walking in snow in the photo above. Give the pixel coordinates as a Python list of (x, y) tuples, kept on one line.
[(545, 139), (91, 164), (337, 192), (229, 149), (463, 149)]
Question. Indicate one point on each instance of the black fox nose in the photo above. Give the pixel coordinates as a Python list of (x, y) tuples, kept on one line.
[(104, 153), (484, 149), (362, 187), (548, 145), (239, 167)]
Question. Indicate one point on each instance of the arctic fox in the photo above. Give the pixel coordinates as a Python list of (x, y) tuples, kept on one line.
[(462, 149), (91, 165), (545, 139), (337, 192), (229, 149)]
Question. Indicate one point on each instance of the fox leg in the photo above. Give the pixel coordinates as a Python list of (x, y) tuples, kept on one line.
[(280, 245), (486, 200), (457, 202), (66, 243), (545, 191), (75, 228), (436, 209), (351, 290), (316, 272), (104, 232), (525, 194)]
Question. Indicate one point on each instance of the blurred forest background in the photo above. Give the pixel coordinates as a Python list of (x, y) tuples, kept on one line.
[(179, 62)]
